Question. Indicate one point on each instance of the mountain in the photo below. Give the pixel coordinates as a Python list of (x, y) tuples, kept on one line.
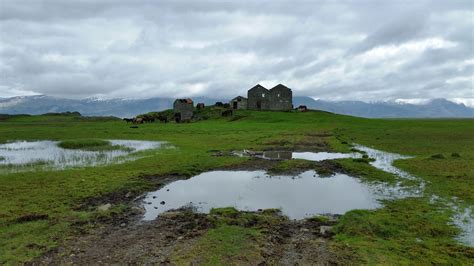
[(436, 108), (91, 107), (41, 104)]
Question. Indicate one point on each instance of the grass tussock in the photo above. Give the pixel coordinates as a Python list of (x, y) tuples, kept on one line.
[(89, 145)]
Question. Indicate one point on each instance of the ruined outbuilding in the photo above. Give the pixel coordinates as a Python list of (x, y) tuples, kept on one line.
[(278, 98), (183, 110), (239, 103)]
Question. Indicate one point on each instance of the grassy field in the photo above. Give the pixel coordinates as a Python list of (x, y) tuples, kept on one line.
[(39, 210)]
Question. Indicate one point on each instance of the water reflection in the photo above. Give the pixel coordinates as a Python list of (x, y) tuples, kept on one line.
[(47, 154), (321, 156), (298, 196), (288, 155)]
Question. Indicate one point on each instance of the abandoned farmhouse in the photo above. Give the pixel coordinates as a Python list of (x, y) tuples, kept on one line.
[(259, 98)]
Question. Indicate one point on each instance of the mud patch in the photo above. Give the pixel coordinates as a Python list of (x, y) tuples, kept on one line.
[(175, 235)]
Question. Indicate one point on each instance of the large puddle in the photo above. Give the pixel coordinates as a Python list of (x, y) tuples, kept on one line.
[(47, 154), (298, 196)]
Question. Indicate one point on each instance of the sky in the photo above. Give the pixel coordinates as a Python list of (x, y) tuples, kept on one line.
[(334, 50)]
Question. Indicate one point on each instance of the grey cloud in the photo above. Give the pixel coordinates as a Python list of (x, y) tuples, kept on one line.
[(144, 48)]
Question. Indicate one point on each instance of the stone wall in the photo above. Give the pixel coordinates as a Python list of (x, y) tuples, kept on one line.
[(239, 103), (279, 98), (258, 98), (184, 108)]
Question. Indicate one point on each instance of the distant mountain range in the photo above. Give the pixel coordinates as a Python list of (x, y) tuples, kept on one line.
[(437, 108)]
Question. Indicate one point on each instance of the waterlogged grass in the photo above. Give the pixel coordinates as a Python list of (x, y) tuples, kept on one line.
[(89, 145), (407, 231), (57, 194)]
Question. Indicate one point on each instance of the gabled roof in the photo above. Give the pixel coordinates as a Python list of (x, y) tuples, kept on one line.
[(258, 86), (187, 100), (280, 87), (239, 97)]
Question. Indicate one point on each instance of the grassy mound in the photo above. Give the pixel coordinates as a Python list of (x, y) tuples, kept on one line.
[(89, 144)]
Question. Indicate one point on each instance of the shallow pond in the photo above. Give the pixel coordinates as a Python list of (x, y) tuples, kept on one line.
[(47, 154), (297, 196)]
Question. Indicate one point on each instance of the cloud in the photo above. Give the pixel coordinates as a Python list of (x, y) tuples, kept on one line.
[(330, 49)]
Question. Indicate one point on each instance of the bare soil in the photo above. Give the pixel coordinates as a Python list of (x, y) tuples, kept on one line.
[(135, 242)]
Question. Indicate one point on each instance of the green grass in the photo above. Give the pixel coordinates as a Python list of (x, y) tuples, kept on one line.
[(89, 145), (235, 239), (224, 245), (58, 193), (408, 231)]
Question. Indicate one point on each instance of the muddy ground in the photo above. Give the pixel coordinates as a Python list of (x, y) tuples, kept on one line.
[(285, 242), (126, 239)]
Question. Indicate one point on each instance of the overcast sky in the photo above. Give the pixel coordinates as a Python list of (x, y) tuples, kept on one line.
[(334, 50)]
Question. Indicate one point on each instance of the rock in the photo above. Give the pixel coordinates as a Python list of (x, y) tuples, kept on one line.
[(162, 202), (123, 224), (325, 230), (104, 208), (304, 230), (128, 195), (138, 210), (181, 237), (154, 197)]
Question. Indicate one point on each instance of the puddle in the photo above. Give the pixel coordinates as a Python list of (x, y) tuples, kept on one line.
[(47, 154), (298, 196), (321, 156), (288, 155)]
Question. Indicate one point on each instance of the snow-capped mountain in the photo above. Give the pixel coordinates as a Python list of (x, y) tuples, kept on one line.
[(41, 104)]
